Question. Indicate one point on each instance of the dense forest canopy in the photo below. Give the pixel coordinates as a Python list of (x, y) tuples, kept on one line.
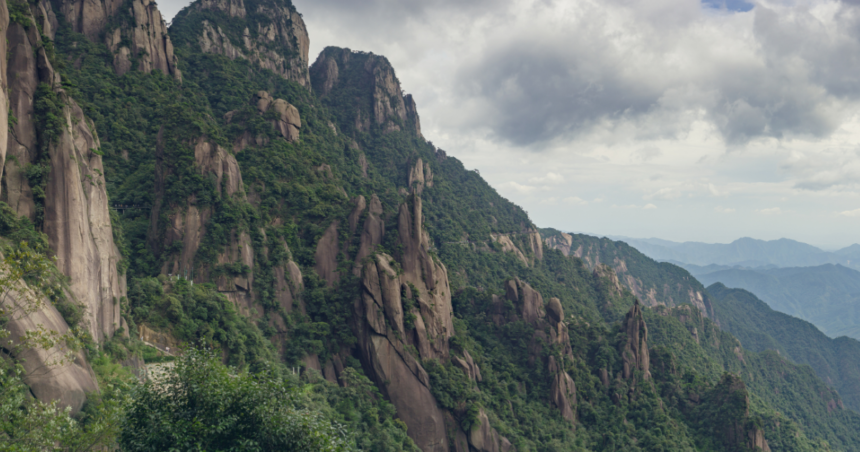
[(231, 248)]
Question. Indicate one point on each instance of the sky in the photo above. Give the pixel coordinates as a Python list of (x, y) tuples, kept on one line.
[(685, 120)]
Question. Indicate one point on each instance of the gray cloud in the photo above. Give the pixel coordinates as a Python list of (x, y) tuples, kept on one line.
[(792, 75)]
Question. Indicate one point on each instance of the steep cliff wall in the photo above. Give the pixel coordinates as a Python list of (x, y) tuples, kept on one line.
[(386, 338), (52, 373), (67, 198), (72, 209), (383, 104), (270, 34), (132, 29)]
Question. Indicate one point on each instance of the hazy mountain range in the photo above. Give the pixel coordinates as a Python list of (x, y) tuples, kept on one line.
[(746, 252), (822, 287)]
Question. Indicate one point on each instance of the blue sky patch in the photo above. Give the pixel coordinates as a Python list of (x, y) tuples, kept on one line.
[(730, 5)]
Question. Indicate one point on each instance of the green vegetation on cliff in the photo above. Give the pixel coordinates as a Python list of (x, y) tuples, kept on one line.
[(296, 221)]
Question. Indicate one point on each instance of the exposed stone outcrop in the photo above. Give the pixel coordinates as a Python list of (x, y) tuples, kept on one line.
[(533, 246), (380, 321), (605, 275), (188, 224), (162, 340), (326, 255), (561, 242), (420, 176), (55, 373), (635, 352), (374, 228), (728, 412), (20, 142), (528, 301), (563, 391), (73, 214), (398, 373), (508, 246), (530, 308), (468, 366), (276, 39), (389, 109), (360, 204), (484, 438), (77, 222), (287, 120), (601, 252), (143, 38), (288, 285)]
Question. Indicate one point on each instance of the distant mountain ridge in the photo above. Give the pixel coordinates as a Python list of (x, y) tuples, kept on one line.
[(760, 328), (826, 295), (747, 252)]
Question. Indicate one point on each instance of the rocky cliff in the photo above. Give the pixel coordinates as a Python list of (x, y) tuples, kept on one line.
[(727, 411), (67, 198), (133, 30), (271, 34), (338, 70), (633, 270), (404, 316), (635, 352)]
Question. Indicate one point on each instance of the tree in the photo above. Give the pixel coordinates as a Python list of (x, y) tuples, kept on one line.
[(201, 404)]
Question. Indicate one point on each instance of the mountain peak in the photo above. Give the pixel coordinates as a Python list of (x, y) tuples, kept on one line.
[(268, 33), (341, 76)]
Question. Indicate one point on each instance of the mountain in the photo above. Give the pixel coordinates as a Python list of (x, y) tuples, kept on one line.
[(206, 186), (825, 295), (746, 252), (761, 328)]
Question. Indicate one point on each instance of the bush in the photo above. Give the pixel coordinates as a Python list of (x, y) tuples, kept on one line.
[(204, 405)]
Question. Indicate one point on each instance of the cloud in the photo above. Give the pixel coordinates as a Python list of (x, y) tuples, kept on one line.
[(634, 206), (549, 178), (646, 154), (562, 70), (520, 188), (575, 201), (770, 211), (721, 209), (851, 213), (729, 5)]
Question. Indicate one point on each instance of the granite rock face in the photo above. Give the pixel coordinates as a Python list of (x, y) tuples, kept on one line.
[(530, 308), (635, 353), (388, 109), (56, 373), (287, 120), (274, 36), (143, 38), (604, 256), (74, 211), (388, 284)]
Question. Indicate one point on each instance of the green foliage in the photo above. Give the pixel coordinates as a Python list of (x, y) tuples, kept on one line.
[(26, 424), (19, 13), (197, 314), (761, 328), (204, 405)]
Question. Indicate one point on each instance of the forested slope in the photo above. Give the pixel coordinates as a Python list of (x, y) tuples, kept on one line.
[(761, 328), (825, 295), (294, 219)]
